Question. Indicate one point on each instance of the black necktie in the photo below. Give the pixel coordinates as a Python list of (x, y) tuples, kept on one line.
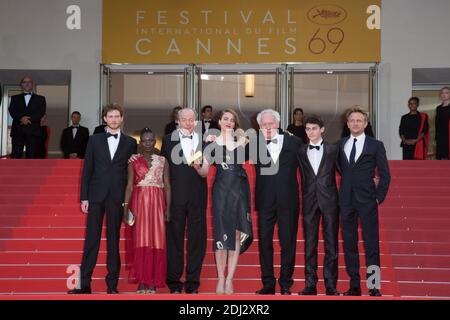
[(353, 152), (115, 135), (185, 136), (314, 147)]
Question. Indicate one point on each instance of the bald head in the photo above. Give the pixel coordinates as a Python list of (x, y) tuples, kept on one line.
[(186, 118), (27, 84)]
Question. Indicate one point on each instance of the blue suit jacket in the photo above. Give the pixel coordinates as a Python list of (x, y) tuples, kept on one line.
[(357, 185)]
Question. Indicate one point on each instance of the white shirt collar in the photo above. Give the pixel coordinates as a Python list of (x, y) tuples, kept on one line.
[(118, 133), (318, 144), (181, 133), (276, 136), (361, 136)]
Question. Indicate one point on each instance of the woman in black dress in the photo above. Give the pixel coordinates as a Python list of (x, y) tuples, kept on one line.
[(231, 197), (413, 131), (442, 123), (297, 128)]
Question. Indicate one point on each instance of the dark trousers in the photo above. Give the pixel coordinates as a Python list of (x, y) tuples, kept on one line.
[(311, 223), (408, 152), (367, 213), (41, 152), (96, 212), (31, 142), (287, 220), (195, 218)]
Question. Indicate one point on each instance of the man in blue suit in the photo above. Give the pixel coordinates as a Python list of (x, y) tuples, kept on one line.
[(360, 194)]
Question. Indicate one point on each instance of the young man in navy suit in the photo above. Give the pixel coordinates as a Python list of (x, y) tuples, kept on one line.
[(318, 162), (360, 195)]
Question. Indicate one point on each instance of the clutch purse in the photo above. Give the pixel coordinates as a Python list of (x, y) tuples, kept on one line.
[(129, 218), (195, 158)]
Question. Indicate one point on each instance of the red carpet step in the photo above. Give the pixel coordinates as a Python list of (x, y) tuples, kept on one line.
[(42, 232)]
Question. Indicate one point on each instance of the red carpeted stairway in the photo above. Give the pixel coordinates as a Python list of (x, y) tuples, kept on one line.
[(42, 231)]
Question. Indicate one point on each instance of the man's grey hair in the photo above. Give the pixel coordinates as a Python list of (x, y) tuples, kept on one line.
[(184, 110), (274, 113)]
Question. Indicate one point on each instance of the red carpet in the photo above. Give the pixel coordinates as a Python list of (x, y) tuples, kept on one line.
[(42, 231)]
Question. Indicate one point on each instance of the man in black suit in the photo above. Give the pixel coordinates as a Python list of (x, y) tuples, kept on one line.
[(360, 195), (207, 122), (320, 200), (103, 186), (27, 110), (173, 124), (189, 198), (74, 139), (100, 128), (276, 198)]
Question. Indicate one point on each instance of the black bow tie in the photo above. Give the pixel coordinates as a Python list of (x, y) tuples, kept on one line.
[(75, 127), (115, 135), (185, 136), (314, 147), (207, 121), (27, 93), (273, 140)]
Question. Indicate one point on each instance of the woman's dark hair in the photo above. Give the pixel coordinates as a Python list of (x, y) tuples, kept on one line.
[(235, 116), (174, 114), (146, 130), (297, 109), (414, 99)]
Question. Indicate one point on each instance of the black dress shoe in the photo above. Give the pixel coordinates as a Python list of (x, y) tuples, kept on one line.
[(175, 291), (112, 291), (191, 291), (308, 291), (80, 291), (331, 292), (266, 290), (353, 292), (374, 293), (285, 292)]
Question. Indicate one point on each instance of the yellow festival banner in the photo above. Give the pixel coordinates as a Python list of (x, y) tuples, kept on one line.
[(247, 31)]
